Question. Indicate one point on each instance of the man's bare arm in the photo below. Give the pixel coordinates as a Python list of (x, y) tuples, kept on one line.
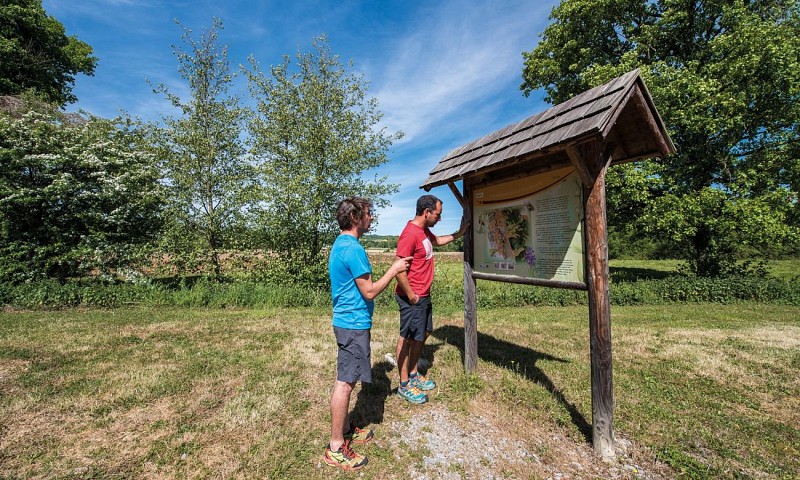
[(369, 289)]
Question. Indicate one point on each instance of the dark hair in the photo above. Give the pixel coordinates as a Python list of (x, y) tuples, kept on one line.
[(351, 210), (426, 202)]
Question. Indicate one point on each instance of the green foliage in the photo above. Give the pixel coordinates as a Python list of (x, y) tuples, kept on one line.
[(724, 78), (268, 287), (38, 55), (314, 134), (305, 274), (76, 195), (466, 385), (209, 179), (713, 226), (49, 294)]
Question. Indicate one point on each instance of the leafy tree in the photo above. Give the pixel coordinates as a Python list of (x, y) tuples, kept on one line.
[(76, 194), (203, 155), (37, 55), (315, 134), (725, 77)]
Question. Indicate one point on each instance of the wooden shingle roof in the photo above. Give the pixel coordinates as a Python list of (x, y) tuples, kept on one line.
[(620, 112)]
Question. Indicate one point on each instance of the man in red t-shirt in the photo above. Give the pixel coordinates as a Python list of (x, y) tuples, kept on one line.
[(413, 294)]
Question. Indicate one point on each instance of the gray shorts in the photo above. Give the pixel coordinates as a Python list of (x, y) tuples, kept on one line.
[(416, 319), (353, 363)]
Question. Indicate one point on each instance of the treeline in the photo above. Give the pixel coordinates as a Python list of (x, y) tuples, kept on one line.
[(388, 243), (191, 194)]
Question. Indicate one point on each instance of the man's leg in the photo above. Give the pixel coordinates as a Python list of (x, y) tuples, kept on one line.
[(352, 365), (340, 404), (414, 351), (414, 365), (406, 389), (415, 378), (410, 327), (339, 453), (402, 358)]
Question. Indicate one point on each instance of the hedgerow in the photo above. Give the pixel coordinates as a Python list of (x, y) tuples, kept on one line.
[(447, 295)]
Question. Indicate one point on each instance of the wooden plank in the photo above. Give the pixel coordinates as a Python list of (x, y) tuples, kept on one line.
[(580, 165), (539, 282), (599, 302), (470, 290), (529, 122), (526, 168), (649, 119)]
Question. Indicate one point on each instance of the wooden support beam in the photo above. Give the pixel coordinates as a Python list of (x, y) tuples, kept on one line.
[(597, 159), (664, 144), (470, 291), (456, 194), (576, 158)]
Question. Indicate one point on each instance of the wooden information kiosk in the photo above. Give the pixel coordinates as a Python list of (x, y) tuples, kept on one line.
[(535, 194)]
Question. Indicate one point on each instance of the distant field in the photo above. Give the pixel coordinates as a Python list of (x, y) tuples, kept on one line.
[(782, 269)]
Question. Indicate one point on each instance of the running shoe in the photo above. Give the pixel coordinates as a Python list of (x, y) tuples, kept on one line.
[(358, 435), (344, 458), (412, 394), (422, 383)]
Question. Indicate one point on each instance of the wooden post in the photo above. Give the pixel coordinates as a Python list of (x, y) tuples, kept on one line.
[(592, 163), (470, 294)]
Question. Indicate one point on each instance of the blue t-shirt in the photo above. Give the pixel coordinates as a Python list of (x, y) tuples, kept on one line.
[(348, 261)]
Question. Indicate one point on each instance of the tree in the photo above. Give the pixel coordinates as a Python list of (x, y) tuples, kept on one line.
[(724, 75), (37, 55), (203, 155), (76, 194), (315, 135)]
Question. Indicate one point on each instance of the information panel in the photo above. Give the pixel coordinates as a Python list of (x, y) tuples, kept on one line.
[(531, 227)]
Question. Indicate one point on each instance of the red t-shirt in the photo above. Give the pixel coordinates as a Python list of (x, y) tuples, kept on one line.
[(417, 242)]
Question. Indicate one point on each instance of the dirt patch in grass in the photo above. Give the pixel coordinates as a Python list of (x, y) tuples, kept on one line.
[(488, 443)]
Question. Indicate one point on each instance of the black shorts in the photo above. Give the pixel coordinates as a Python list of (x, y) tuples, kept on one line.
[(415, 320), (353, 363)]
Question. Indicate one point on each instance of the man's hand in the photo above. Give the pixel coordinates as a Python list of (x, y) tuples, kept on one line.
[(463, 228), (413, 299), (401, 265)]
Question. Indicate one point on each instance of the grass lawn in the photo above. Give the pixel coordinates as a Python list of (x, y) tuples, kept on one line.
[(640, 269), (701, 391)]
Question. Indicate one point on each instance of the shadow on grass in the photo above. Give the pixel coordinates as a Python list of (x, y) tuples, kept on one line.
[(371, 400), (518, 359)]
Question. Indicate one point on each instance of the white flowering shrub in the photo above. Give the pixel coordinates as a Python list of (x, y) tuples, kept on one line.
[(76, 195)]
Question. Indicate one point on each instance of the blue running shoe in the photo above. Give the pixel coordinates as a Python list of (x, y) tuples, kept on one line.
[(412, 394), (422, 383)]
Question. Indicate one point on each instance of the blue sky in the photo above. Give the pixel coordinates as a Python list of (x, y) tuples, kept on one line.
[(444, 72)]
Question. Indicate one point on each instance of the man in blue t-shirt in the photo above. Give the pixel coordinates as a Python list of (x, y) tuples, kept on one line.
[(353, 293)]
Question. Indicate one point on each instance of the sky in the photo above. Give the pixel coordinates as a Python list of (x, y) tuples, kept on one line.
[(444, 72)]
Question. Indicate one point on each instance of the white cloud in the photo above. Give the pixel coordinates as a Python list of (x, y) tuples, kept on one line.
[(454, 58)]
